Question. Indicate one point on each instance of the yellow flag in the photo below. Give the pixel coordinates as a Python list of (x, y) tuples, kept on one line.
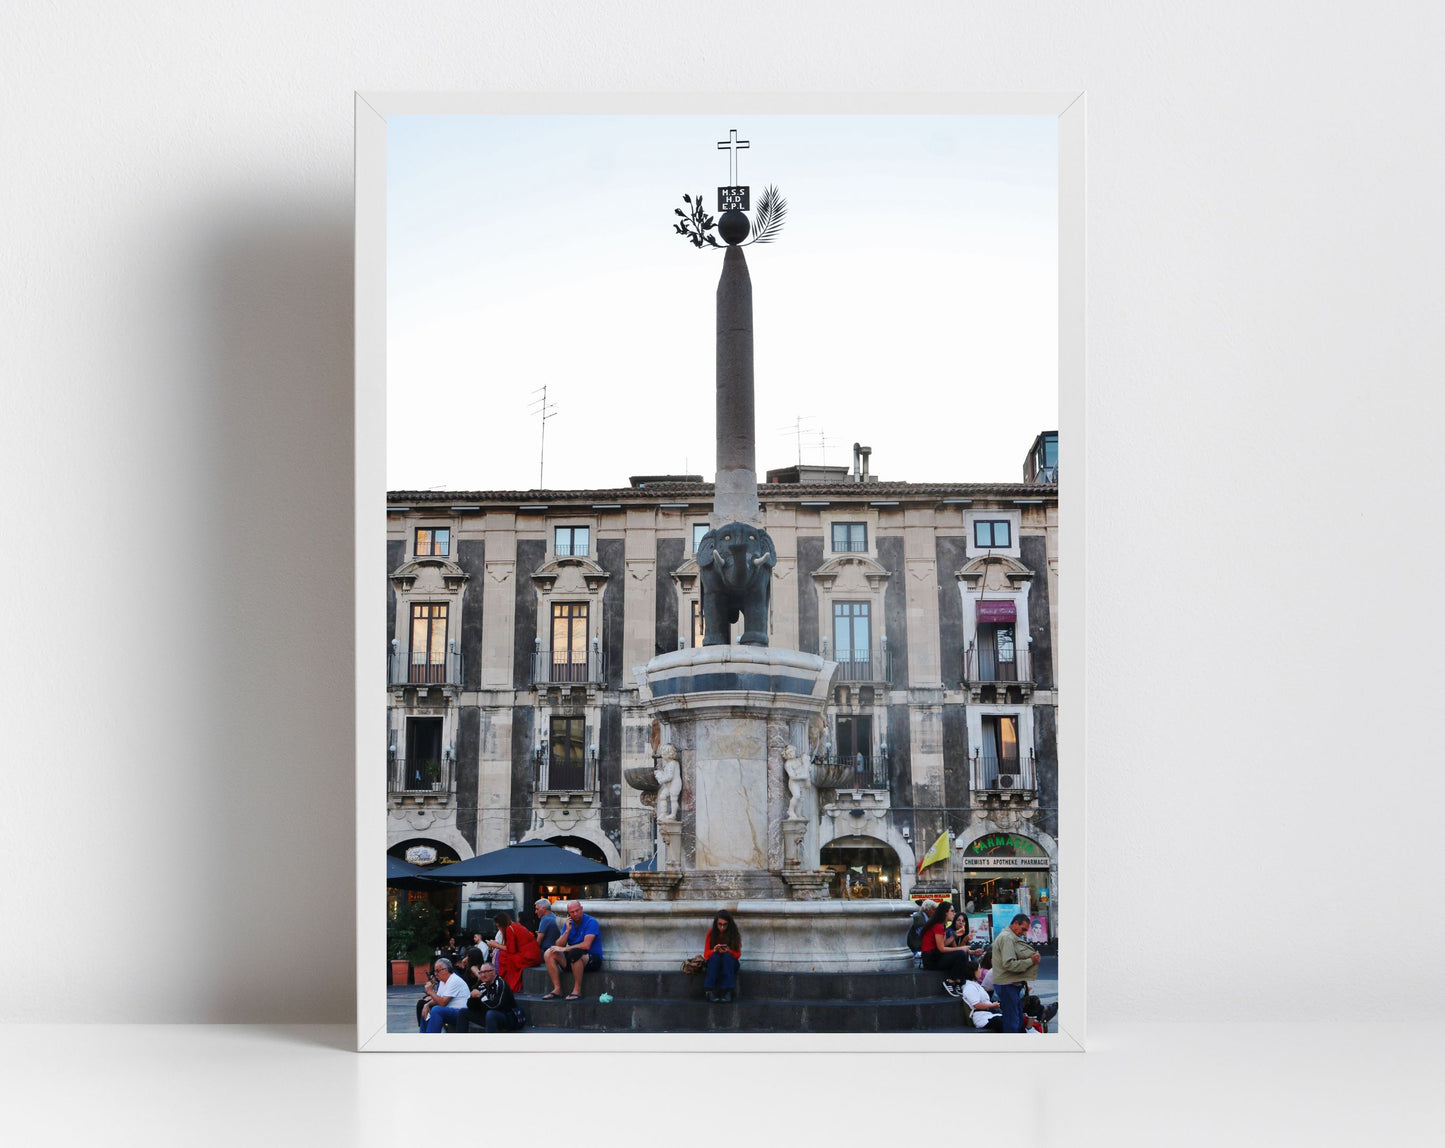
[(936, 852)]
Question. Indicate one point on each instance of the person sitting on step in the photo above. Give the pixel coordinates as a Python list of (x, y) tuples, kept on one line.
[(723, 950), (987, 1014), (519, 950), (447, 997), (492, 1006), (940, 952), (579, 948)]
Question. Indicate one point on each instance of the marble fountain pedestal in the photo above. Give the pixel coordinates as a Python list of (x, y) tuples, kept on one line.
[(733, 833)]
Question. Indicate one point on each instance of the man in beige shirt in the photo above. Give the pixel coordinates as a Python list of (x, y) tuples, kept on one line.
[(1014, 963)]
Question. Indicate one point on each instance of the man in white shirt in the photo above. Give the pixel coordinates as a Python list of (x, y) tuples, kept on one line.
[(447, 996)]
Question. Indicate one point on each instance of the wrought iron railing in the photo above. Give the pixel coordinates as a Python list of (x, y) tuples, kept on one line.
[(850, 771), (874, 666), (853, 546), (985, 665), (549, 667), (419, 775), (555, 774), (572, 549), (417, 668), (988, 773)]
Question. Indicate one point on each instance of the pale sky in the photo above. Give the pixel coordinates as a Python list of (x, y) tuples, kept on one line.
[(909, 303)]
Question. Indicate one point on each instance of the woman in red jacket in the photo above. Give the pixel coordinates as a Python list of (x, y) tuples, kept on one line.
[(723, 950), (519, 950)]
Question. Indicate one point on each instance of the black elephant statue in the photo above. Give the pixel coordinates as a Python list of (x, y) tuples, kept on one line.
[(735, 563)]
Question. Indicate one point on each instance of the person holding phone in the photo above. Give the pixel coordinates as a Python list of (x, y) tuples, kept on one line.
[(941, 952), (723, 949)]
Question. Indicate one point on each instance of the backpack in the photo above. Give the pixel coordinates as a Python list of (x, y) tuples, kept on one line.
[(519, 1018), (915, 937)]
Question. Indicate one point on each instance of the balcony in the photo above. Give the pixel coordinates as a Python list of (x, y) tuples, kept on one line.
[(571, 549), (850, 771), (415, 669), (556, 774), (421, 778), (985, 668), (1005, 779), (549, 668), (853, 546), (865, 667)]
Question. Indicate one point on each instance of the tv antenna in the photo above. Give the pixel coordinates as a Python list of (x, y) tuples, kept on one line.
[(824, 442), (795, 428), (543, 410)]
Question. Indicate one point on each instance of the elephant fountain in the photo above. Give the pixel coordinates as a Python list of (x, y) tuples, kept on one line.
[(735, 563)]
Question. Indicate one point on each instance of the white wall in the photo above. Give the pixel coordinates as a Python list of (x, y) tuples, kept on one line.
[(1264, 410)]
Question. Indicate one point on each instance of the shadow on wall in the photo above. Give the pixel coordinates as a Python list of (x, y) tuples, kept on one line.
[(274, 782)]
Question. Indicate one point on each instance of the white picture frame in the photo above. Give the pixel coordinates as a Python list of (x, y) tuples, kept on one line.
[(372, 111)]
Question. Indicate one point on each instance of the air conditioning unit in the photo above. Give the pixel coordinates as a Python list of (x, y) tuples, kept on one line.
[(1010, 781)]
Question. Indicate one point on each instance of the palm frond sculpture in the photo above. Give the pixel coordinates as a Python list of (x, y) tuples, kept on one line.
[(772, 207)]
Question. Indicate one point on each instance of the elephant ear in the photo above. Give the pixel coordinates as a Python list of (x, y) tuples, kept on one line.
[(706, 550), (771, 550)]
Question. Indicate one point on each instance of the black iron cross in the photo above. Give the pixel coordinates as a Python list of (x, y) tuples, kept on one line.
[(731, 146)]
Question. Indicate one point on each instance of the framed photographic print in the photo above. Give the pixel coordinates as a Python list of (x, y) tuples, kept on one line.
[(721, 688)]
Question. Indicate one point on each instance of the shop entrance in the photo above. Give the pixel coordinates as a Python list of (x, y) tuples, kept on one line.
[(445, 899), (863, 867), (1009, 869)]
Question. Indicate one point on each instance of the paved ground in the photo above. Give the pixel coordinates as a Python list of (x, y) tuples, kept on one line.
[(401, 999)]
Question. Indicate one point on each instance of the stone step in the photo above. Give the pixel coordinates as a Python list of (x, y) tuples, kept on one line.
[(933, 1014), (868, 988)]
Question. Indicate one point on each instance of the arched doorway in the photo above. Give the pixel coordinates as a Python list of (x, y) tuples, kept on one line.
[(561, 891), (425, 853), (863, 867)]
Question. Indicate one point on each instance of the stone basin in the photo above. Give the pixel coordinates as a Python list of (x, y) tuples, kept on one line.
[(777, 936)]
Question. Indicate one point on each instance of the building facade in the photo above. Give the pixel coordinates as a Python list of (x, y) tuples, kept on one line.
[(516, 620)]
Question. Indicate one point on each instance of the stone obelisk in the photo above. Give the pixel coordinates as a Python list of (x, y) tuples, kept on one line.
[(735, 497), (738, 818)]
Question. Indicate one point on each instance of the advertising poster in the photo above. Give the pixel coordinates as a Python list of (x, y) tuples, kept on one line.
[(978, 929), (1038, 933), (1002, 915)]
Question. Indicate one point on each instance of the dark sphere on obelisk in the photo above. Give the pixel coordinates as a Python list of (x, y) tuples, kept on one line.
[(733, 227)]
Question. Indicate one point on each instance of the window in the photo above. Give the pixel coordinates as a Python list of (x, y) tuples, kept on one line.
[(854, 738), (697, 629), (852, 645), (1000, 749), (566, 755), (433, 542), (572, 541), (991, 534), (698, 530), (850, 537), (423, 763), (569, 642), (997, 659), (428, 642)]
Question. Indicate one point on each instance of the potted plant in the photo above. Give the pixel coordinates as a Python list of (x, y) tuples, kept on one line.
[(400, 938), (431, 775), (408, 937)]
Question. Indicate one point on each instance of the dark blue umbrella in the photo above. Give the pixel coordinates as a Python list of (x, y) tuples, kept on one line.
[(400, 875), (528, 861)]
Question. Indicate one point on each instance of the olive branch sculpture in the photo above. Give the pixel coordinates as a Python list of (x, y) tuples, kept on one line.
[(696, 225)]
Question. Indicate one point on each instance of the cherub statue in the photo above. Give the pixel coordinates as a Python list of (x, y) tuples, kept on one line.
[(669, 782), (797, 770)]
